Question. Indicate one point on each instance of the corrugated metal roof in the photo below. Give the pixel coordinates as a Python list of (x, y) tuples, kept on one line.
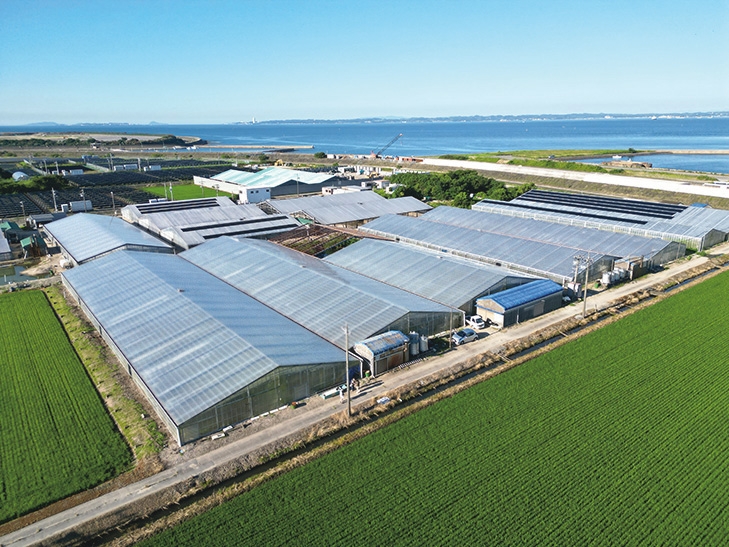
[(272, 177), (348, 207), (441, 277), (536, 257), (320, 296), (85, 236), (192, 338), (381, 343), (523, 294)]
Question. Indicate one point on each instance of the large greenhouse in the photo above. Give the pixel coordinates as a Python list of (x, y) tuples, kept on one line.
[(696, 226), (321, 297), (539, 248), (193, 221), (205, 355), (86, 236), (442, 277)]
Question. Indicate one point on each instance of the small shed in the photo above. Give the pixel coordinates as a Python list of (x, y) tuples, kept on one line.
[(384, 351), (520, 303)]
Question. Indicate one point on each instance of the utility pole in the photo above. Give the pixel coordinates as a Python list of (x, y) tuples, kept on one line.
[(346, 361)]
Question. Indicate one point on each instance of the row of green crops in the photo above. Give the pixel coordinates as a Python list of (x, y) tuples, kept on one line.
[(56, 437), (619, 438)]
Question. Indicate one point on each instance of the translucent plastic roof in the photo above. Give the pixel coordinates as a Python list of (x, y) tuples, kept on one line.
[(524, 254), (679, 224), (85, 236), (193, 339), (318, 295), (348, 206), (438, 276), (272, 177), (4, 245), (381, 343), (189, 226), (588, 240), (523, 294)]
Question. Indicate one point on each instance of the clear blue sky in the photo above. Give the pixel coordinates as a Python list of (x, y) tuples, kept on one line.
[(230, 60)]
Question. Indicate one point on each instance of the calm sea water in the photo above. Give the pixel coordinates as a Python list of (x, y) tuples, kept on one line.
[(435, 138)]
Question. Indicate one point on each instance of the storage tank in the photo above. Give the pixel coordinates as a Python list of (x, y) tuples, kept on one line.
[(414, 343), (606, 278), (423, 343)]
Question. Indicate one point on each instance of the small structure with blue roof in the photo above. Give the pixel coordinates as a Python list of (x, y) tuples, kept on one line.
[(520, 303)]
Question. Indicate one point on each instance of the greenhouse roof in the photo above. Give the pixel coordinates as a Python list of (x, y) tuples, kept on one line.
[(586, 240), (523, 254), (272, 177), (441, 277), (523, 294), (348, 206), (189, 225), (85, 236), (649, 219), (193, 339), (320, 296), (4, 245)]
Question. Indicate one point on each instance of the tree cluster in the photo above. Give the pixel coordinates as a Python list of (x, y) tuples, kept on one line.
[(33, 184), (461, 188)]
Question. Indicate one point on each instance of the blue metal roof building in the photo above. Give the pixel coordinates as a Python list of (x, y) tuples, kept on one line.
[(520, 303)]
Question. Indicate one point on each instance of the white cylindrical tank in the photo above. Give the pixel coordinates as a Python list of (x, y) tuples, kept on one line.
[(606, 278), (414, 343), (423, 343)]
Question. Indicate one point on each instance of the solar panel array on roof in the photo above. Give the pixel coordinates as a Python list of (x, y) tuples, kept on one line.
[(348, 207), (190, 225), (192, 339), (698, 228), (441, 277), (588, 240), (601, 203), (167, 206), (320, 296), (85, 236)]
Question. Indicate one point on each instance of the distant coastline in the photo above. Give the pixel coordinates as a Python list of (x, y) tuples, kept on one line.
[(415, 119)]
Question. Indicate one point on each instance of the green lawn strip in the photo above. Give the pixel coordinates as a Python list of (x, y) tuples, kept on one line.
[(185, 191), (56, 437), (617, 438), (142, 434)]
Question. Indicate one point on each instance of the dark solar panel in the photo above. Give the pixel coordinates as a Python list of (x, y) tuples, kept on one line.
[(598, 203), (519, 205)]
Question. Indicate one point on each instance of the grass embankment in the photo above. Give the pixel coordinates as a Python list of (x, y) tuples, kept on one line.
[(563, 160), (185, 191), (57, 438), (617, 438), (142, 434)]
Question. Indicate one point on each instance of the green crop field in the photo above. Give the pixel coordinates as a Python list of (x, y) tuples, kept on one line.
[(185, 191), (56, 437), (618, 438)]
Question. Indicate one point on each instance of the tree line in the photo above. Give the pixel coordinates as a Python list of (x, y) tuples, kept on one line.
[(461, 188)]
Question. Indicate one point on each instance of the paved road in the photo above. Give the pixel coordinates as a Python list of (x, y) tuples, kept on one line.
[(309, 415), (600, 178)]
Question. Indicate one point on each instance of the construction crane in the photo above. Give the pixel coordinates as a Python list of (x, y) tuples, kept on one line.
[(388, 145)]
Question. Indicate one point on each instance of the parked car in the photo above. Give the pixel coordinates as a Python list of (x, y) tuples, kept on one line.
[(464, 335), (475, 321)]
